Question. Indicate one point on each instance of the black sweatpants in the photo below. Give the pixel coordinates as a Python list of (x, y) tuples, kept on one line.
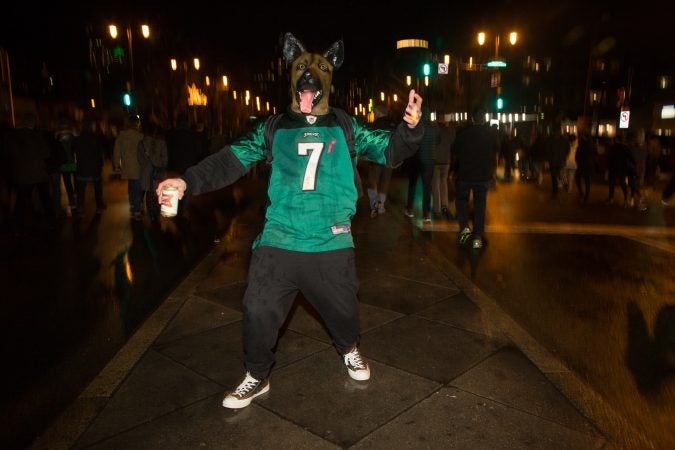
[(327, 280)]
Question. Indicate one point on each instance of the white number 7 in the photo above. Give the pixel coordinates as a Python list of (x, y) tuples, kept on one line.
[(314, 149)]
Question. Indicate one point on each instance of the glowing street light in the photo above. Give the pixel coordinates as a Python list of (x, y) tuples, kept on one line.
[(145, 32), (513, 38)]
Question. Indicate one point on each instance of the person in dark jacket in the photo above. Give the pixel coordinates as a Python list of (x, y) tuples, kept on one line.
[(379, 175), (90, 153), (152, 157), (620, 167), (64, 135), (557, 149), (185, 146), (27, 152), (585, 158), (474, 157), (423, 168)]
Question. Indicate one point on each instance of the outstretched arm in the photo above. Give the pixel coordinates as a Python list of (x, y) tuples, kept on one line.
[(405, 140)]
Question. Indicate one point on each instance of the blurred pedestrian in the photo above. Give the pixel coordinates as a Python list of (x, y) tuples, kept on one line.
[(621, 170), (474, 155), (153, 158), (186, 148), (27, 153), (54, 161), (668, 191), (379, 175), (585, 159), (557, 150), (652, 159), (90, 153), (423, 168), (440, 177), (571, 166), (64, 135), (125, 161)]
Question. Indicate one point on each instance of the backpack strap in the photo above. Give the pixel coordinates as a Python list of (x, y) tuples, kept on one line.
[(347, 126)]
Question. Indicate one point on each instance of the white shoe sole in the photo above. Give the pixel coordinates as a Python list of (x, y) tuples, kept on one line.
[(359, 375)]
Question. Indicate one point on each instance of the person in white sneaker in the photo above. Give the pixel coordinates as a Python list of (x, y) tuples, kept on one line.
[(306, 243)]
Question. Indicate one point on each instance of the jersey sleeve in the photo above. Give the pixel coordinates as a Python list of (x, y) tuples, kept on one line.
[(228, 164), (389, 148)]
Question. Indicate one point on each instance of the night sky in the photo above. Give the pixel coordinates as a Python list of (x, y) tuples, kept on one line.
[(235, 34)]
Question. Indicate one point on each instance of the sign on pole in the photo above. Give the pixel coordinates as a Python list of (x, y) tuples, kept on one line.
[(442, 68), (624, 119)]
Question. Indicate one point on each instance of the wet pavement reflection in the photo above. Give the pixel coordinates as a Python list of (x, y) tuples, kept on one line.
[(74, 294), (592, 283)]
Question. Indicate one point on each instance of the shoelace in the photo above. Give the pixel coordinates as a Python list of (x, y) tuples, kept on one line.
[(355, 360), (246, 386)]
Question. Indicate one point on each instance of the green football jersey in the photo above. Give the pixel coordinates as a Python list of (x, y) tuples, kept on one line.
[(312, 196), (311, 193)]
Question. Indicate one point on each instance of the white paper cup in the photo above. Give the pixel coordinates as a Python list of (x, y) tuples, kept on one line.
[(169, 206)]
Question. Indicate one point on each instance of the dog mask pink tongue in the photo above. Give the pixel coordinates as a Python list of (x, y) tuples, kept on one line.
[(306, 99)]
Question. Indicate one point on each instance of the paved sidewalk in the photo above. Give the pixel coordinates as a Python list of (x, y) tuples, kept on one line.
[(449, 368)]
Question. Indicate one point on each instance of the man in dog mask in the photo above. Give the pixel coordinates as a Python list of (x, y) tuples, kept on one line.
[(306, 243)]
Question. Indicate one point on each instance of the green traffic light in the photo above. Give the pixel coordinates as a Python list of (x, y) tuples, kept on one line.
[(500, 103), (426, 69), (127, 99)]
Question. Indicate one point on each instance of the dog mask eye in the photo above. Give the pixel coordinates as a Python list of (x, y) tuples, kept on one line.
[(323, 66), (301, 66)]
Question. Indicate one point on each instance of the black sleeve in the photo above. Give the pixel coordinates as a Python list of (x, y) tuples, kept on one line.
[(214, 172), (403, 143)]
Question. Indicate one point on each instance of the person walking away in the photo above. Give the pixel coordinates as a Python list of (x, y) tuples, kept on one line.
[(635, 172), (652, 163), (56, 158), (558, 148), (379, 175), (125, 161), (668, 192), (585, 159), (618, 160), (425, 168), (440, 178), (186, 148), (571, 166), (64, 135), (90, 154), (152, 158), (27, 153), (508, 148), (474, 158)]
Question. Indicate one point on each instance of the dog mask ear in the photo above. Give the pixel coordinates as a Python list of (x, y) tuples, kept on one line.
[(292, 48), (336, 54)]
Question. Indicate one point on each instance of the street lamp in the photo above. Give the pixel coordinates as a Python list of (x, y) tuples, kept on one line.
[(496, 63), (513, 38), (145, 32)]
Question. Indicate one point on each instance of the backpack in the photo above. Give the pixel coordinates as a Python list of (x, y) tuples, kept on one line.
[(347, 126)]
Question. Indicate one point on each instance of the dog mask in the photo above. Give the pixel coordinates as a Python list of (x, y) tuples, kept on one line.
[(311, 74)]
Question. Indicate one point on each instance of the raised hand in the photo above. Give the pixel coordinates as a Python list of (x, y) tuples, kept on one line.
[(413, 112)]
